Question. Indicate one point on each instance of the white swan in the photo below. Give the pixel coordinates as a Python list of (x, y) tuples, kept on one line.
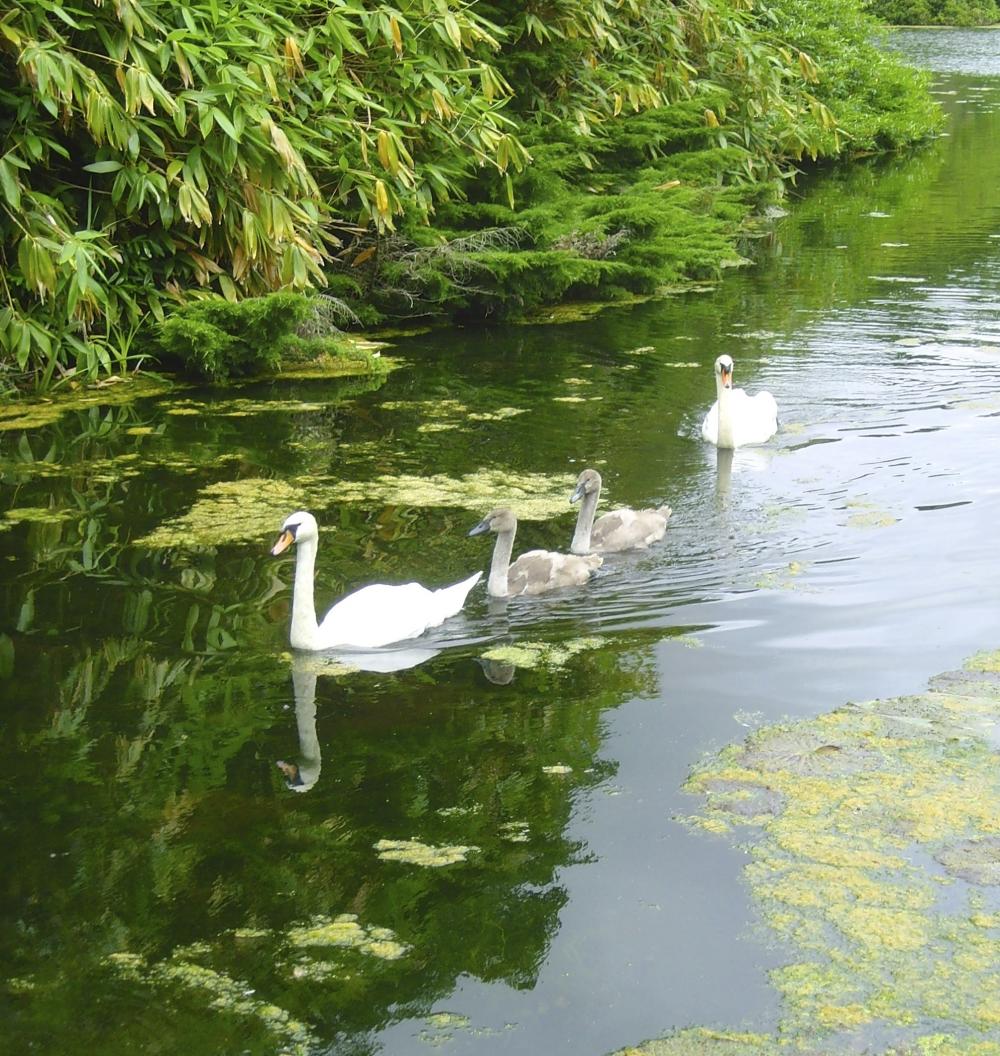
[(533, 572), (736, 419), (623, 529), (370, 617)]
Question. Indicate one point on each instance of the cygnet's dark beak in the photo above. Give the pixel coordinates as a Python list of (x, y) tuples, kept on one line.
[(578, 493), (483, 526)]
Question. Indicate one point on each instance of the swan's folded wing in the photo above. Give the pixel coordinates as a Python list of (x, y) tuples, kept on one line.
[(378, 615), (541, 570), (629, 529), (710, 426)]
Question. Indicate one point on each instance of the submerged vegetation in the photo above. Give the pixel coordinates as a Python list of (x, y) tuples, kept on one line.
[(438, 158)]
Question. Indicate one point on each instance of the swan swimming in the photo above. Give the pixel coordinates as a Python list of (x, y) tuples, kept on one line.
[(623, 529), (368, 618), (736, 419), (534, 572)]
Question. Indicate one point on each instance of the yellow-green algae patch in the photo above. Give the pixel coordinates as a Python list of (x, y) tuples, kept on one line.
[(345, 930), (237, 510), (225, 994), (241, 408), (868, 515), (542, 654), (413, 852), (499, 415), (699, 1041), (532, 496), (112, 392), (255, 507), (40, 514), (782, 578), (862, 816)]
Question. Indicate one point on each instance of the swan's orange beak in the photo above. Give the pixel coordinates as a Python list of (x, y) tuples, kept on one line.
[(285, 540), (727, 378)]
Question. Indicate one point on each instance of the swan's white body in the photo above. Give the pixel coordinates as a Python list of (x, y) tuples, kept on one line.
[(368, 618), (736, 419), (624, 529)]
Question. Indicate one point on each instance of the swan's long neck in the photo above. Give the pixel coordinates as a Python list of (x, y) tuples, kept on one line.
[(304, 626), (585, 523), (497, 583), (725, 438)]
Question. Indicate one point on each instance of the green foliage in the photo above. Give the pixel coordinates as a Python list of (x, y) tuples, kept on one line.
[(218, 340), (631, 190), (151, 149), (936, 12)]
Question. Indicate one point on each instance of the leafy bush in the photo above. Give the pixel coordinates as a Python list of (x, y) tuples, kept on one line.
[(215, 339), (936, 12), (151, 149)]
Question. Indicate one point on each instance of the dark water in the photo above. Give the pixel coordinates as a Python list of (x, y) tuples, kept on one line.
[(158, 873)]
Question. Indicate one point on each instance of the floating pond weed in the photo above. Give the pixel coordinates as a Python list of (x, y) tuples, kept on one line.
[(542, 654), (863, 814), (413, 852), (533, 496)]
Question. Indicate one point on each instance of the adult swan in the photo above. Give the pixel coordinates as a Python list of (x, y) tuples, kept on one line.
[(736, 419), (370, 617)]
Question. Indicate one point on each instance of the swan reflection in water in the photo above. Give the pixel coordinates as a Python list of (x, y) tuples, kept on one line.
[(302, 774)]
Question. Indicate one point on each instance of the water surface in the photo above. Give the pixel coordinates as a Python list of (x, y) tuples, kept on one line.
[(167, 891)]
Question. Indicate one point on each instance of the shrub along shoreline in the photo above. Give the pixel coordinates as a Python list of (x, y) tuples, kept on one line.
[(437, 160)]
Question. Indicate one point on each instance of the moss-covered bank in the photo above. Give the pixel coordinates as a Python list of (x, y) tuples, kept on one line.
[(875, 858)]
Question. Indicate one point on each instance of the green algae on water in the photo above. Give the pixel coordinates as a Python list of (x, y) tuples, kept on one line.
[(413, 852), (542, 654), (40, 515), (532, 496), (25, 414), (223, 993), (869, 516), (346, 931), (236, 511), (862, 816), (700, 1041)]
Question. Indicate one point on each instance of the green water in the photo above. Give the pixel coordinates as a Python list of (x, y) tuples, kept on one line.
[(166, 891)]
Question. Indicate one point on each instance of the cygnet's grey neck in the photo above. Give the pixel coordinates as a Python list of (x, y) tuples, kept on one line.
[(725, 436), (497, 583), (585, 522), (304, 626)]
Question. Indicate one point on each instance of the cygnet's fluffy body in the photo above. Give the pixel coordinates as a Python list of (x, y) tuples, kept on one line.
[(623, 529), (534, 572)]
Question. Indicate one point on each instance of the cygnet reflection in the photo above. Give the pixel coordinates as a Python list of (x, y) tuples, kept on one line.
[(499, 672)]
